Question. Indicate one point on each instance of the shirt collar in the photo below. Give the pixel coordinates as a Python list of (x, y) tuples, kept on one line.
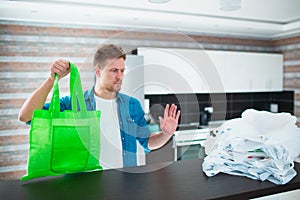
[(90, 95)]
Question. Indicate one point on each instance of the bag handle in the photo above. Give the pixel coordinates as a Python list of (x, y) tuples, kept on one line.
[(75, 91)]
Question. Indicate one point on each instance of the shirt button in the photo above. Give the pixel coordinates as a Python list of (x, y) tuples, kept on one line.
[(123, 138), (124, 154)]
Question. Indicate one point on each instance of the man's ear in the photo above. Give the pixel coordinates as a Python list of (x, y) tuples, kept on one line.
[(97, 71)]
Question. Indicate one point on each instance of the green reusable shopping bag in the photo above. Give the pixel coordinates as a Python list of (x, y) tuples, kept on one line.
[(64, 142)]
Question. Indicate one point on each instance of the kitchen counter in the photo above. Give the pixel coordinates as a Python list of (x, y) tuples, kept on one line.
[(176, 180)]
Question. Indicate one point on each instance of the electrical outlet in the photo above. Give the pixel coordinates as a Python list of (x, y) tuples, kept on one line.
[(274, 107)]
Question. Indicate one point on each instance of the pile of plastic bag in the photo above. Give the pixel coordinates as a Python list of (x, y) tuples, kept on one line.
[(259, 145)]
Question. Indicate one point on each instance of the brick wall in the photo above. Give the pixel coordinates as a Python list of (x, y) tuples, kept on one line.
[(290, 47), (28, 49)]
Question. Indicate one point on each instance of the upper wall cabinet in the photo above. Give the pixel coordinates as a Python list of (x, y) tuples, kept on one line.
[(249, 72), (202, 71)]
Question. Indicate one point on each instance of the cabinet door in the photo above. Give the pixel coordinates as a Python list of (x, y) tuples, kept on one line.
[(237, 74), (167, 71), (249, 72), (252, 72), (269, 73), (218, 64), (178, 71)]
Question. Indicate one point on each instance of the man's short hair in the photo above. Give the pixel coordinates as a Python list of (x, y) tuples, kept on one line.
[(108, 52)]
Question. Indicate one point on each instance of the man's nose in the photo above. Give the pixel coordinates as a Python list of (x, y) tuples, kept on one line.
[(120, 75)]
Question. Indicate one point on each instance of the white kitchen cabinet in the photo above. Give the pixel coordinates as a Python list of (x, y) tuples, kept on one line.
[(206, 71), (249, 72), (178, 71)]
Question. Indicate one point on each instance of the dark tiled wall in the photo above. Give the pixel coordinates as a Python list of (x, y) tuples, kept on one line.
[(225, 105)]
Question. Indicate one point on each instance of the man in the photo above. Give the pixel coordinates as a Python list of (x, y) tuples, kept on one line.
[(122, 117)]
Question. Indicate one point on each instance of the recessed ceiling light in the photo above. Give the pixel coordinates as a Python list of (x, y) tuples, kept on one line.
[(159, 1)]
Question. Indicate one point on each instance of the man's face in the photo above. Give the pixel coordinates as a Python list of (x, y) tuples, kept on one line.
[(112, 74)]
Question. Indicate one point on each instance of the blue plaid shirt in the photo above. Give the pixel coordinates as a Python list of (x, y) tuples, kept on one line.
[(133, 126)]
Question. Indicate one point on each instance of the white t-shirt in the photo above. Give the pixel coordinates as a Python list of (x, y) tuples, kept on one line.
[(110, 139)]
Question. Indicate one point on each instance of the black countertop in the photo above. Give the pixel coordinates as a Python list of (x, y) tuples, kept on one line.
[(174, 180)]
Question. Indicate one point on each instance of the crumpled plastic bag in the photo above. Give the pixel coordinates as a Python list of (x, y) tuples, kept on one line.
[(259, 145)]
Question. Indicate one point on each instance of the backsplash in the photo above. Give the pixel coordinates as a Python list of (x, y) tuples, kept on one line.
[(225, 105)]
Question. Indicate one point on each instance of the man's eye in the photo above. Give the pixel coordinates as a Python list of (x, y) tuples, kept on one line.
[(116, 70)]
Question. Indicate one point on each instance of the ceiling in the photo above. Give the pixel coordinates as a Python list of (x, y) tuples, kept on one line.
[(256, 18)]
